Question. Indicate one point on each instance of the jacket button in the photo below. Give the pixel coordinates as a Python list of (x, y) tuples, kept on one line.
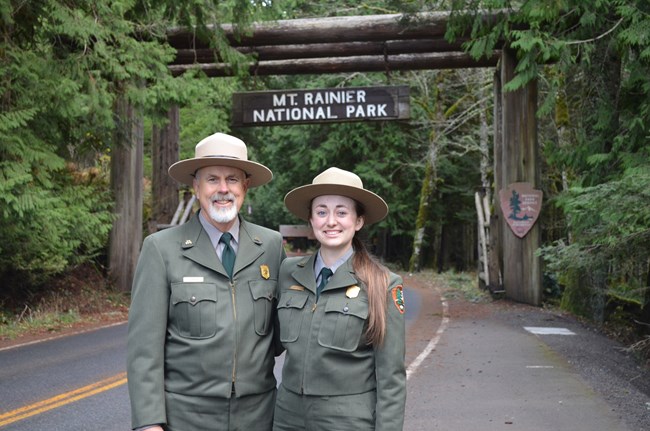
[(346, 309), (193, 299)]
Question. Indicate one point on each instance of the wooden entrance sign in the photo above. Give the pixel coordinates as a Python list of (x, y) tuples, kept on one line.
[(521, 205), (325, 105)]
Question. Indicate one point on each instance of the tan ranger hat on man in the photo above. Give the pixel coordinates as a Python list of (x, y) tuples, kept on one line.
[(220, 150)]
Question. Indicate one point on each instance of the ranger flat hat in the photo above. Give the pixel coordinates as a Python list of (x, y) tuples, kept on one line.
[(335, 181), (220, 150)]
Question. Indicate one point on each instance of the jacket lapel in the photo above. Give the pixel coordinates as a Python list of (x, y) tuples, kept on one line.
[(304, 275), (197, 245), (250, 247), (343, 277)]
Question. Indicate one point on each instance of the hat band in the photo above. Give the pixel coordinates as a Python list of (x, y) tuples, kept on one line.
[(223, 156)]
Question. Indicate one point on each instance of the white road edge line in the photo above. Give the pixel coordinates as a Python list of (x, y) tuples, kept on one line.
[(413, 366), (15, 346)]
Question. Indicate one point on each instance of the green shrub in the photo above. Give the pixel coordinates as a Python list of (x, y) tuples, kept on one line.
[(49, 226)]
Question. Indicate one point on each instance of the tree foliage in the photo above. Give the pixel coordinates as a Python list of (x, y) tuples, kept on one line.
[(594, 58), (63, 64)]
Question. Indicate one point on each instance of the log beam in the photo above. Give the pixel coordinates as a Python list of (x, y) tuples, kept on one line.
[(452, 60), (323, 30), (324, 50)]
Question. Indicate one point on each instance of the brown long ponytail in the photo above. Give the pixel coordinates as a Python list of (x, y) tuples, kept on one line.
[(375, 276)]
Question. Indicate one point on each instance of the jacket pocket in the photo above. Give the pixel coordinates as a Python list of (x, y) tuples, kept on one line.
[(290, 314), (263, 293), (193, 312), (343, 323)]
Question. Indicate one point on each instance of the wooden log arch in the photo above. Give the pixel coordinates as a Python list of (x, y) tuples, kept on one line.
[(394, 42)]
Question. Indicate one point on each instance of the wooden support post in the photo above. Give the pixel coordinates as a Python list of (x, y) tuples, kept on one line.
[(518, 156), (126, 182), (494, 263)]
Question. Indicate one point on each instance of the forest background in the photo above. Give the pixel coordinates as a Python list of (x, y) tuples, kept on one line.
[(64, 65)]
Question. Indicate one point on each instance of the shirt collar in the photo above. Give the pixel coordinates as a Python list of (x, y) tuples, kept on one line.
[(319, 264)]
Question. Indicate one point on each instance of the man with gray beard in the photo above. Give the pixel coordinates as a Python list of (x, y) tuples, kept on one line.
[(200, 341)]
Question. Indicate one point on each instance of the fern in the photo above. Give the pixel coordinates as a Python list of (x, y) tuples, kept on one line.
[(16, 119)]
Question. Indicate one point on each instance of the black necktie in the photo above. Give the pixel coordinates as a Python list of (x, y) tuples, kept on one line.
[(228, 254), (325, 275)]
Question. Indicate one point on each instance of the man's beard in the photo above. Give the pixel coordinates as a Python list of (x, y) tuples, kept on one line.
[(223, 215)]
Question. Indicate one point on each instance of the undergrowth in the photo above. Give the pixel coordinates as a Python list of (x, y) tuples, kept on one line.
[(81, 297)]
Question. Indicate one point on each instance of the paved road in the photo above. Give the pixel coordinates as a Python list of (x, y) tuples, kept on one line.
[(505, 366), (470, 367), (64, 384)]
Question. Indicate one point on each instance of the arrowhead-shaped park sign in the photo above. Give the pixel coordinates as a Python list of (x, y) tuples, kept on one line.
[(521, 205)]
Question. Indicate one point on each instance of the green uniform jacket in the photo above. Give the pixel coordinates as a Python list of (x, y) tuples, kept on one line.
[(191, 330), (326, 349)]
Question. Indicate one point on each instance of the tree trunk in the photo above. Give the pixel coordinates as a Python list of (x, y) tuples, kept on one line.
[(126, 183), (646, 298), (563, 140), (484, 145), (165, 152), (427, 190)]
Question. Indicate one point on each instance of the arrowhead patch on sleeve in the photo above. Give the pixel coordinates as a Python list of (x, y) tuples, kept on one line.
[(398, 298)]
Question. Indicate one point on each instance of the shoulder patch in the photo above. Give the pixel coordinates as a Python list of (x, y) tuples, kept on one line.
[(398, 298)]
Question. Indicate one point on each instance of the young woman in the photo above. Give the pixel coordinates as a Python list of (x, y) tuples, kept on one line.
[(341, 318)]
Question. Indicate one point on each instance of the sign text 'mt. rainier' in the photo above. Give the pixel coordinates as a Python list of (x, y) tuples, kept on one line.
[(264, 108)]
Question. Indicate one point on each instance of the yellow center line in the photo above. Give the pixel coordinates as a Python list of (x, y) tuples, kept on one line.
[(62, 399)]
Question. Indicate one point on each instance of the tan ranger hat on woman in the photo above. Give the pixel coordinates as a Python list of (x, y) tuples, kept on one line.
[(220, 150), (335, 181)]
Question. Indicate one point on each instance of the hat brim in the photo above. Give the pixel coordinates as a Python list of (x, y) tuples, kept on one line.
[(184, 170), (298, 200)]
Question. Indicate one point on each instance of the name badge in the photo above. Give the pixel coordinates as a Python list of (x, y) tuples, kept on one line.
[(192, 279)]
